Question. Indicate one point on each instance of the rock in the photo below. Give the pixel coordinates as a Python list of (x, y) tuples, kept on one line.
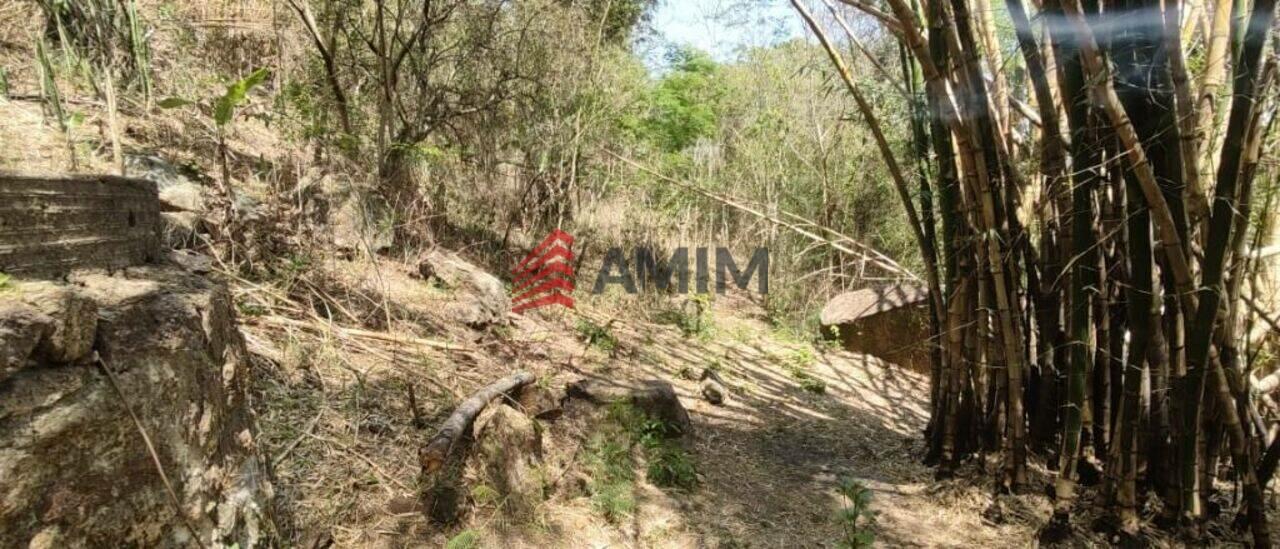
[(653, 396), (248, 209), (540, 402), (179, 230), (73, 467), (480, 299), (509, 447), (359, 224), (75, 321), (712, 387), (22, 328), (191, 261), (176, 189)]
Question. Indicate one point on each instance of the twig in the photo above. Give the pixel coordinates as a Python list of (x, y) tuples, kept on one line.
[(151, 449), (418, 422), (354, 332)]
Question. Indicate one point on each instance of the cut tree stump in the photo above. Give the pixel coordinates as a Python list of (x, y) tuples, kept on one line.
[(434, 454)]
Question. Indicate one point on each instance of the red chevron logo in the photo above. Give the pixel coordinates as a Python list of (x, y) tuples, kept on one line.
[(545, 276)]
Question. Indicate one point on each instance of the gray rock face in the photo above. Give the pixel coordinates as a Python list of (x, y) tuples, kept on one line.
[(52, 225), (75, 321), (480, 299), (176, 189), (74, 471), (353, 214), (358, 224), (653, 396), (22, 328)]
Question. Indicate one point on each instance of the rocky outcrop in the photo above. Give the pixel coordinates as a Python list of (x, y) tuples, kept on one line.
[(74, 468), (51, 225), (890, 323), (480, 299)]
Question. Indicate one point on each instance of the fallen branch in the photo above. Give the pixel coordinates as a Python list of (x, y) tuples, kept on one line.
[(436, 451)]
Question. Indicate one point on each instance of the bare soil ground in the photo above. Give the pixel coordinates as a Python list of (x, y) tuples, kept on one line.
[(336, 417)]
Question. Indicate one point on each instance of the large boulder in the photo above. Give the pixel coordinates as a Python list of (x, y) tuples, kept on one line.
[(480, 299), (74, 468)]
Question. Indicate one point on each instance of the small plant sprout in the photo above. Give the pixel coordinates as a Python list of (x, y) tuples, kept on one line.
[(855, 517)]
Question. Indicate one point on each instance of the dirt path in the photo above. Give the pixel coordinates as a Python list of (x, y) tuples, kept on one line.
[(771, 457)]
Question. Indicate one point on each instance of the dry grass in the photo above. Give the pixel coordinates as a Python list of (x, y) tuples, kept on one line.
[(335, 412)]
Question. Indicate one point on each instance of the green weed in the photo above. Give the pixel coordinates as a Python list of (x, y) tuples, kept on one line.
[(595, 335), (855, 517), (612, 468), (484, 495), (693, 318), (671, 467), (466, 539), (797, 364), (611, 459)]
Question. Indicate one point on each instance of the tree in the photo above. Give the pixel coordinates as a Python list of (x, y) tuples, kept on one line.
[(1109, 158)]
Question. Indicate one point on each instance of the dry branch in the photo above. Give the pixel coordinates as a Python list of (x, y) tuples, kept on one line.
[(865, 252), (355, 332), (436, 451)]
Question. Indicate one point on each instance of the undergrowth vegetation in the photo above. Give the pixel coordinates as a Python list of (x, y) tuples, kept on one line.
[(628, 439), (797, 363)]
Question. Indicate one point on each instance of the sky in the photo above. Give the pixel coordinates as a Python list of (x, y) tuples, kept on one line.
[(719, 27)]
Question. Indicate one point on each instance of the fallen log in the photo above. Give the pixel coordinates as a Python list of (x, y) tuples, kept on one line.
[(433, 455)]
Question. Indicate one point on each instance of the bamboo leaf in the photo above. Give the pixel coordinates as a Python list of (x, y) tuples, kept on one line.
[(226, 105)]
